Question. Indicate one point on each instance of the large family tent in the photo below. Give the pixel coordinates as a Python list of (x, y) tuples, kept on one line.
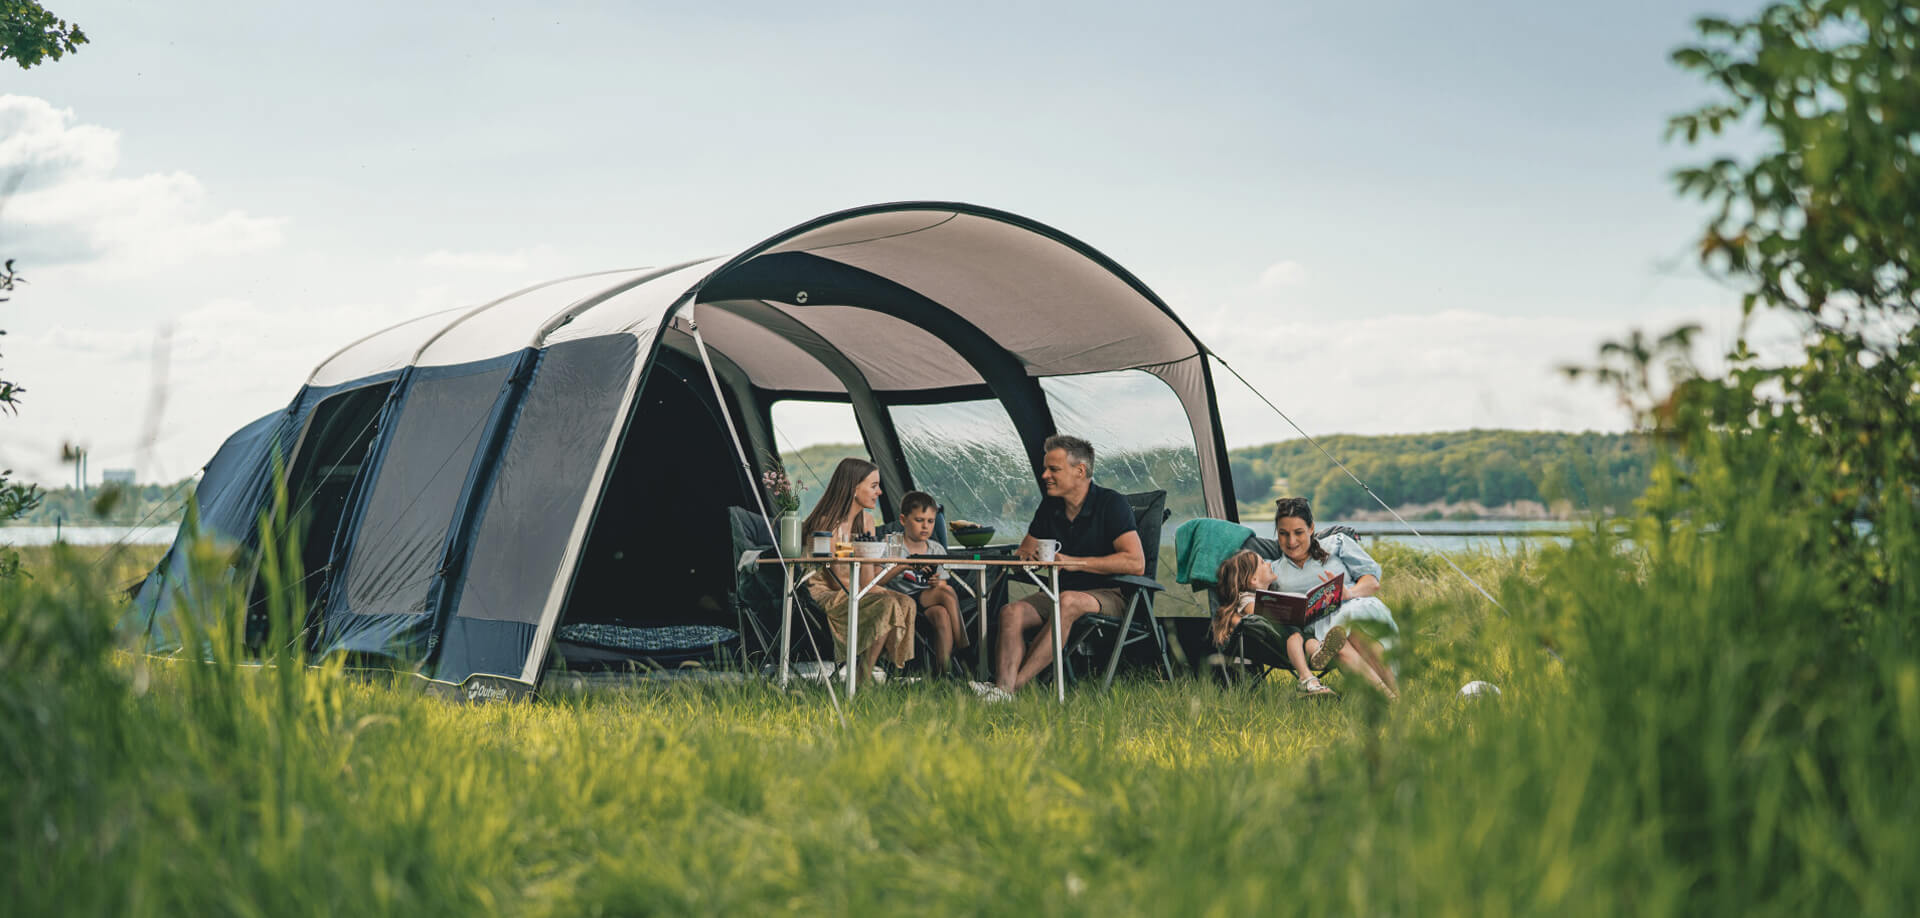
[(472, 483)]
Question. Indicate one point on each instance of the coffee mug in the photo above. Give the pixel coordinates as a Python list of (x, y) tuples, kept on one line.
[(1046, 549)]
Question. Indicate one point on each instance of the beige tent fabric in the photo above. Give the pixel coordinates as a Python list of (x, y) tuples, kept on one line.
[(893, 354), (632, 311), (1184, 378), (1053, 307), (479, 334), (389, 349)]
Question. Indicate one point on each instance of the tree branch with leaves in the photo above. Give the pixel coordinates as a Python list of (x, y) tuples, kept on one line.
[(30, 33)]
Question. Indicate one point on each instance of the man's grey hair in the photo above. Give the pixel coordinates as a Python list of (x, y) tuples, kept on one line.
[(1079, 452)]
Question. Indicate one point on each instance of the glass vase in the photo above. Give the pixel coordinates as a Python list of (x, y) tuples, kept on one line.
[(790, 546)]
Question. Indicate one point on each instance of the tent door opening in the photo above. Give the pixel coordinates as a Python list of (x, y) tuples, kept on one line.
[(655, 582), (330, 460)]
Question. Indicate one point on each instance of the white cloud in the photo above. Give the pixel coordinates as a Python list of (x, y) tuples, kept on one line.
[(71, 205), (1282, 274), (1408, 372)]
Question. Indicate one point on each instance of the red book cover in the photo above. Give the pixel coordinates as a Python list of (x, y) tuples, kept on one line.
[(1297, 609)]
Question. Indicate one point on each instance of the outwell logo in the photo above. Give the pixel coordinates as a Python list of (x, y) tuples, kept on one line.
[(481, 691)]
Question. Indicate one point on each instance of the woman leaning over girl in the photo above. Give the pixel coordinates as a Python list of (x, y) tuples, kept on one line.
[(1304, 563)]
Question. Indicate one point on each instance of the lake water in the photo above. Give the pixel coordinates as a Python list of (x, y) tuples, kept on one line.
[(161, 534), (1496, 536)]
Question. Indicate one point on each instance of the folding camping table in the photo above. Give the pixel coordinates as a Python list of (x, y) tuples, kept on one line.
[(1050, 586)]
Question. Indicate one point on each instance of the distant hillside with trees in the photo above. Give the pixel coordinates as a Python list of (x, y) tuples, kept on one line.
[(1472, 473), (1462, 474)]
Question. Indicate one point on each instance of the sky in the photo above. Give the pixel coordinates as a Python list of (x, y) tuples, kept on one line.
[(1391, 217)]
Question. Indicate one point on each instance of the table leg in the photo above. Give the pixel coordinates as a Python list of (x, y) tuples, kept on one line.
[(980, 667), (853, 629), (786, 624), (1059, 663)]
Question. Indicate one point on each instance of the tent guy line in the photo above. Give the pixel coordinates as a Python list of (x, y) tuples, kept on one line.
[(1356, 480), (759, 500)]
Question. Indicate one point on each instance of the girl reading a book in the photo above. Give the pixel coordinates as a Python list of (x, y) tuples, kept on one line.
[(1264, 640)]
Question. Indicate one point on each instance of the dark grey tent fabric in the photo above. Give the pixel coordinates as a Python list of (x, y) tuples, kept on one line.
[(383, 602), (535, 498), (235, 487), (224, 507)]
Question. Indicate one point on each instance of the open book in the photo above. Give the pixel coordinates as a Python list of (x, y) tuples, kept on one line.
[(1300, 608)]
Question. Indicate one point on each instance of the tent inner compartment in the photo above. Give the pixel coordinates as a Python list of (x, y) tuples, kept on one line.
[(319, 483), (655, 579)]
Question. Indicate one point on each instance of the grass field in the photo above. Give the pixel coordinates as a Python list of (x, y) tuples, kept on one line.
[(1596, 785)]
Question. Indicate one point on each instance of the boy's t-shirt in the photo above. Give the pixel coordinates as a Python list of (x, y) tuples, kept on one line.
[(918, 578)]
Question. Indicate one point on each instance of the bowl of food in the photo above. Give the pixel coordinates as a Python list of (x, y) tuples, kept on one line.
[(971, 535)]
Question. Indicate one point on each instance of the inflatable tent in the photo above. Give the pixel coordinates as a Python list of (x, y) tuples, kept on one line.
[(473, 481)]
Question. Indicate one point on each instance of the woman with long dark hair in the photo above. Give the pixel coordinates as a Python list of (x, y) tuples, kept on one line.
[(886, 617), (1305, 562)]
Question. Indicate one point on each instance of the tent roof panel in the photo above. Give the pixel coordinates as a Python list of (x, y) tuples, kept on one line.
[(510, 323), (770, 360), (894, 355), (1057, 309), (636, 310), (383, 351)]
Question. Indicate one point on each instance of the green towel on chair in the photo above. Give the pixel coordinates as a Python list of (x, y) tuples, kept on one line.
[(1199, 545)]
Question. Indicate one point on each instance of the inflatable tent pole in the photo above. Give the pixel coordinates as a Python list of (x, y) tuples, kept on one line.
[(746, 466)]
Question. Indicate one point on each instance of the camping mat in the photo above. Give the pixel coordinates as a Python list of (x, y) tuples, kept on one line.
[(647, 640)]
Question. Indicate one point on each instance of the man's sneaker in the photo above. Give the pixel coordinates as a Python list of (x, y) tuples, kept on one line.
[(989, 692), (1329, 647)]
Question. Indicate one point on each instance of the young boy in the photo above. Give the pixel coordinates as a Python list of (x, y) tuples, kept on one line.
[(927, 584)]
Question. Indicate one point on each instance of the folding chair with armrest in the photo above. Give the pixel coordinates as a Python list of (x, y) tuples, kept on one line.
[(1138, 624)]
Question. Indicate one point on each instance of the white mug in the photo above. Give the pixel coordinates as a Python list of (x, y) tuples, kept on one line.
[(1045, 549)]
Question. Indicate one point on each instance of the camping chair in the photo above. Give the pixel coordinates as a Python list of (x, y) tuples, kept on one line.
[(757, 593), (1237, 658), (1149, 515)]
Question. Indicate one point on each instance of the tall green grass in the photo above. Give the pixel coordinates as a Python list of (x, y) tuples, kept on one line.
[(1695, 724)]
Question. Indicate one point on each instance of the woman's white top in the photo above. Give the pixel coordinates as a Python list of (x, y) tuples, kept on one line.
[(1344, 556)]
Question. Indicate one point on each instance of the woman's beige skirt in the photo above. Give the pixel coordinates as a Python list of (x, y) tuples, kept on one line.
[(886, 617)]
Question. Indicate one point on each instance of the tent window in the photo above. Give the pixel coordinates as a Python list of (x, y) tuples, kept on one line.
[(969, 457), (813, 437), (1141, 436), (397, 546)]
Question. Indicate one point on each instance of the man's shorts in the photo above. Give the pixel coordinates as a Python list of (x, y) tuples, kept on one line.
[(1112, 603)]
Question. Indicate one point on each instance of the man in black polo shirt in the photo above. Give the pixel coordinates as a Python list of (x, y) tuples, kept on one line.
[(1097, 539)]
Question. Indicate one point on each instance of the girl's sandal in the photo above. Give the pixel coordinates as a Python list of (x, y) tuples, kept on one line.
[(1311, 685), (1329, 647)]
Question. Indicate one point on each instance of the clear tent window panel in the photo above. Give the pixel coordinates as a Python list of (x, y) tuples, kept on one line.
[(968, 456), (1141, 435), (813, 437)]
